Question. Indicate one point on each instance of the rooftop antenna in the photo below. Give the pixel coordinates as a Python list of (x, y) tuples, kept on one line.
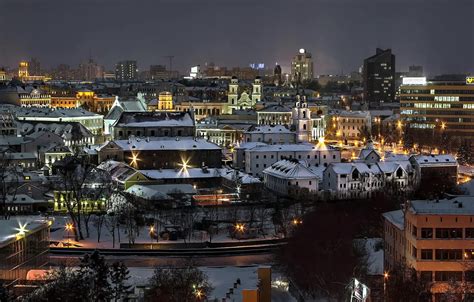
[(170, 58)]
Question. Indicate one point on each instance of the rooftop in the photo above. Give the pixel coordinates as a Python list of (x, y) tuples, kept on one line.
[(290, 169), (397, 218), (20, 226), (155, 119), (460, 205), (165, 143)]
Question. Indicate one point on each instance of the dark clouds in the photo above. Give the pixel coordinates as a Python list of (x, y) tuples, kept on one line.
[(438, 34)]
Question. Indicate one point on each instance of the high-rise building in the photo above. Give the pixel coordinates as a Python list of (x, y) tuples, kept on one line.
[(34, 67), (302, 66), (90, 71), (126, 70), (440, 105), (379, 78), (277, 75), (415, 71)]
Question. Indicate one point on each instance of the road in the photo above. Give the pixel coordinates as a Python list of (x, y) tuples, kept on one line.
[(152, 261)]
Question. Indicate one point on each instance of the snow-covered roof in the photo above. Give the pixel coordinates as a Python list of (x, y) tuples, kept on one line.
[(9, 229), (290, 148), (397, 218), (22, 199), (155, 119), (165, 143), (24, 112), (346, 168), (460, 205), (160, 192), (235, 175), (250, 145), (435, 160), (276, 108), (290, 169), (270, 129), (353, 114), (182, 173)]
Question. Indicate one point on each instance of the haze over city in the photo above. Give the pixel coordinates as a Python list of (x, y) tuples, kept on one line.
[(433, 33)]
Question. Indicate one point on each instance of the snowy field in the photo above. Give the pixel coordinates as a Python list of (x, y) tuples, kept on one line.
[(62, 237)]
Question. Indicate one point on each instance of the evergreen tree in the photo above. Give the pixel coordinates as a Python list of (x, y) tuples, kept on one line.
[(94, 269), (178, 284), (119, 274), (4, 294)]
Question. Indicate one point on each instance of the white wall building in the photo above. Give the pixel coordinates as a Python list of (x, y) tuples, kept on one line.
[(270, 134), (290, 175), (259, 158)]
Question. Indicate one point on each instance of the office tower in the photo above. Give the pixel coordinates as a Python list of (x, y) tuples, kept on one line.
[(302, 66), (126, 70), (442, 105), (379, 78), (277, 75)]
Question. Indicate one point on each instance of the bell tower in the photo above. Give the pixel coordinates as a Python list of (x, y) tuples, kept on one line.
[(256, 90), (302, 119), (232, 94)]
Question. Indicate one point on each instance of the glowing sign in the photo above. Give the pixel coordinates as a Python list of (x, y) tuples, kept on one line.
[(257, 66), (302, 50), (470, 80), (414, 81)]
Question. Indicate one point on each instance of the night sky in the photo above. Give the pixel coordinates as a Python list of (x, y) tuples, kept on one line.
[(438, 34)]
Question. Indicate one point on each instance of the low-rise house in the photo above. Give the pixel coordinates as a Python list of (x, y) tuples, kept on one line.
[(290, 176), (259, 158), (270, 134), (436, 170), (154, 124), (162, 153)]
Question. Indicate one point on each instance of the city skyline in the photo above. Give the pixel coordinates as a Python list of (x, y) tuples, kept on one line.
[(188, 31)]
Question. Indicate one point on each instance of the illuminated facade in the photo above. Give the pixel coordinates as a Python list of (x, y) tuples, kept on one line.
[(238, 99), (302, 66), (165, 101), (24, 246), (36, 98), (436, 105), (23, 70)]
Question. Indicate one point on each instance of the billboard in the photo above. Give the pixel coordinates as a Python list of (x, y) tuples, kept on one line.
[(414, 81)]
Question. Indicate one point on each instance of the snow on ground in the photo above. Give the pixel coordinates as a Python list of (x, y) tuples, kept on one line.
[(60, 234), (468, 187), (375, 255)]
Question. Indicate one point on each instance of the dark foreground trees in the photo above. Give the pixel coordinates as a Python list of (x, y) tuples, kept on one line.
[(94, 280), (323, 255), (405, 284), (178, 284)]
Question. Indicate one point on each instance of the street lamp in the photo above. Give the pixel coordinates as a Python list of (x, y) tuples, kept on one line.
[(69, 227), (152, 231), (385, 279)]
